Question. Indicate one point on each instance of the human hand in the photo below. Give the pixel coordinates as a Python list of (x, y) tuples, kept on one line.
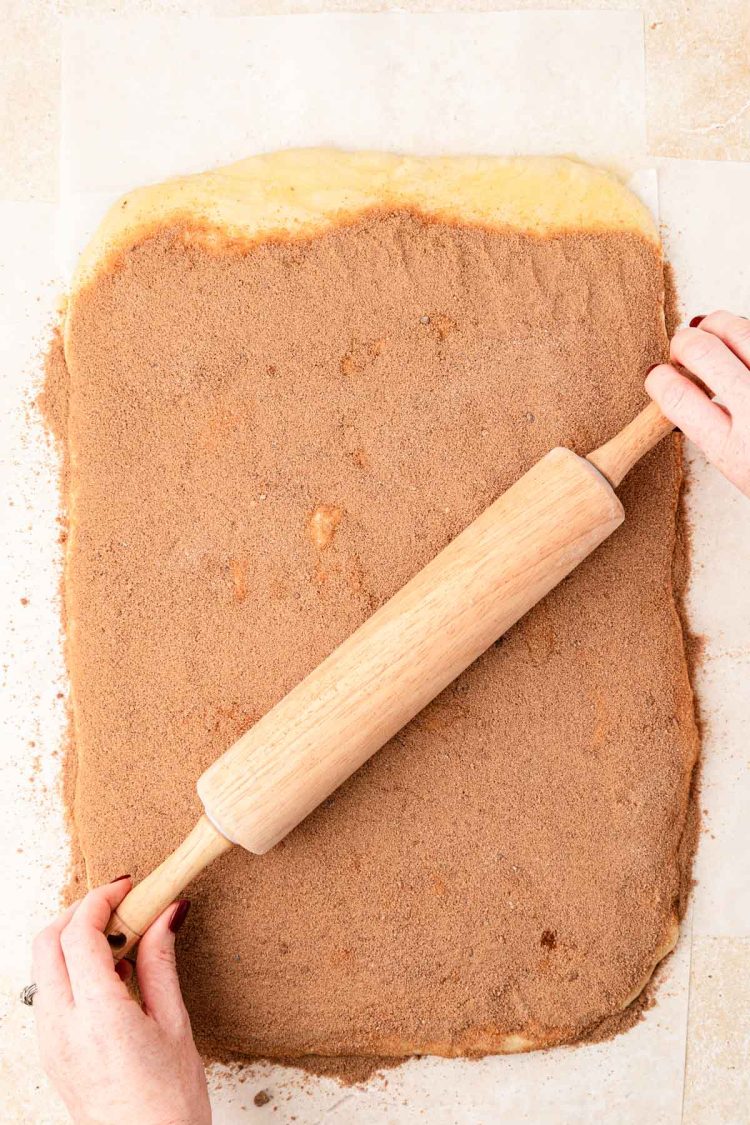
[(718, 353), (111, 1059)]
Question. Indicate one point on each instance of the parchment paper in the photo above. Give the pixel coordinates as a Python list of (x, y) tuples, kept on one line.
[(144, 99)]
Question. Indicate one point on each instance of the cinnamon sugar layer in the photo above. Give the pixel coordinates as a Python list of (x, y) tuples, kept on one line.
[(507, 871)]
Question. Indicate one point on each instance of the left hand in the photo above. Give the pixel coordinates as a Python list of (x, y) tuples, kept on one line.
[(111, 1059)]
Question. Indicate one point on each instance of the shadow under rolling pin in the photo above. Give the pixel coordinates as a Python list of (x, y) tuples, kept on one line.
[(411, 648)]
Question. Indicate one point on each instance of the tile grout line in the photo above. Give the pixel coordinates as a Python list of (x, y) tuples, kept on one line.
[(687, 1019)]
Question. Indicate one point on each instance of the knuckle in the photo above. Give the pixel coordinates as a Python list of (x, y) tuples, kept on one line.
[(727, 326), (656, 373), (737, 451), (674, 393), (69, 938), (691, 346), (678, 344), (181, 1023), (165, 955), (716, 319), (160, 957), (41, 943)]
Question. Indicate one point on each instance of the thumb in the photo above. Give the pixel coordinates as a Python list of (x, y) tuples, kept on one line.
[(157, 969)]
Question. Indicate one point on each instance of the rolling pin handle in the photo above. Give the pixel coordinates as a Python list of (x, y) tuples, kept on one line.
[(146, 901), (616, 458)]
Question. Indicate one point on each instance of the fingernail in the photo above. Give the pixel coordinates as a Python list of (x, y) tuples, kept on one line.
[(120, 878), (122, 970), (180, 914), (651, 368), (696, 321)]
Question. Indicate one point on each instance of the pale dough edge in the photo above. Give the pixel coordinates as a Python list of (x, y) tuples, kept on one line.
[(300, 192)]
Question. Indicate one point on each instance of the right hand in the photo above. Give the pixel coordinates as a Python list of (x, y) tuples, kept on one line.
[(715, 348)]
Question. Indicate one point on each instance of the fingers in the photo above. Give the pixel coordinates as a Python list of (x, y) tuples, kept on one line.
[(157, 971), (88, 957), (48, 967), (706, 355), (733, 330), (715, 352), (690, 409)]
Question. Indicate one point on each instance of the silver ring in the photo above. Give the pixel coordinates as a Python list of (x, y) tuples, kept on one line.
[(28, 993)]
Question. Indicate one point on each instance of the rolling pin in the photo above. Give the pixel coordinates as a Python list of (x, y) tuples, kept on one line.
[(411, 648)]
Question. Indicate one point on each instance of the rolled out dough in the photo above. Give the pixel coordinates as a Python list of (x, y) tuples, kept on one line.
[(292, 380)]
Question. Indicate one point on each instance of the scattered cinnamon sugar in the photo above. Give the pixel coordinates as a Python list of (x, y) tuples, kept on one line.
[(546, 792), (54, 399), (347, 1070)]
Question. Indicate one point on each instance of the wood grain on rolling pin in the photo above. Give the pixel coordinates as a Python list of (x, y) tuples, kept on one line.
[(409, 650)]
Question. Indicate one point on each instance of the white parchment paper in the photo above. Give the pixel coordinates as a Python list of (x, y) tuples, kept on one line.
[(144, 99), (148, 98)]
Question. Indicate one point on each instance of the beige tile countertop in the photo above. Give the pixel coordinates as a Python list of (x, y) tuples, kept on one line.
[(688, 1063)]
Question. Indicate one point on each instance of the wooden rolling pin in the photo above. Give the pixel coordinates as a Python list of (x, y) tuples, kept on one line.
[(397, 661)]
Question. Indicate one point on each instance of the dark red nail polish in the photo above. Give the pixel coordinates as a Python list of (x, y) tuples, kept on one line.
[(651, 368), (696, 321), (122, 969), (180, 914), (120, 878)]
